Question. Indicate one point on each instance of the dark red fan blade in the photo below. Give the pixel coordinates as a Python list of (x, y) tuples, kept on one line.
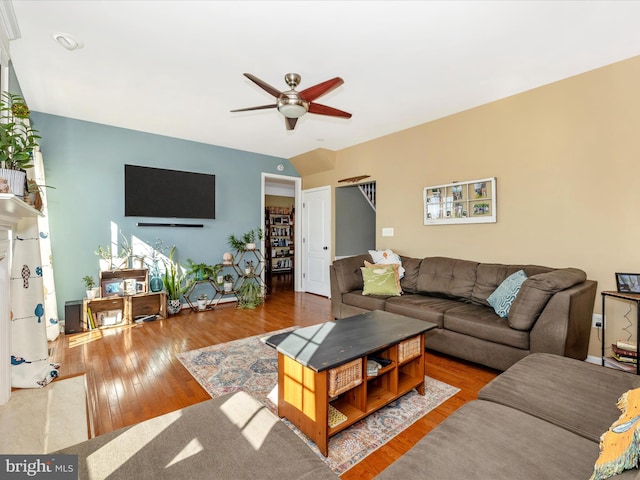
[(263, 85), (324, 110), (290, 123), (311, 93), (261, 107)]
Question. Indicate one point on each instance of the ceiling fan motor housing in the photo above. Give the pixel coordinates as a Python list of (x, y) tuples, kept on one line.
[(291, 105)]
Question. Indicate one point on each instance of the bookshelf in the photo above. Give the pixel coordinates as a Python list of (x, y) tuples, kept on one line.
[(279, 239)]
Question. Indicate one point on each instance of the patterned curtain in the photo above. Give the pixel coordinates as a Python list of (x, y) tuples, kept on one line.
[(33, 306)]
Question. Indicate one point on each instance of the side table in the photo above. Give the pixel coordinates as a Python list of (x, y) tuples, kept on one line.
[(629, 297)]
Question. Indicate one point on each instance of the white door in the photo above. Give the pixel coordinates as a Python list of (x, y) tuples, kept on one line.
[(316, 240)]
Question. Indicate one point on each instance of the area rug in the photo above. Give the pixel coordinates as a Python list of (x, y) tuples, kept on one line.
[(251, 366)]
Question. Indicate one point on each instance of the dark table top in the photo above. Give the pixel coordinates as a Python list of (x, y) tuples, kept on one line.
[(331, 344)]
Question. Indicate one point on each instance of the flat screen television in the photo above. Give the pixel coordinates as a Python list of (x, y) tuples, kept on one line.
[(159, 192)]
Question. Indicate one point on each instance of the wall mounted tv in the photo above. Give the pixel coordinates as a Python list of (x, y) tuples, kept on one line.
[(158, 192)]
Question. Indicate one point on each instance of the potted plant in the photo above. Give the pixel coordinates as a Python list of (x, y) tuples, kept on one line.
[(202, 301), (201, 271), (245, 242), (89, 283), (17, 141), (250, 237), (228, 282), (248, 267), (33, 193), (173, 282), (249, 295)]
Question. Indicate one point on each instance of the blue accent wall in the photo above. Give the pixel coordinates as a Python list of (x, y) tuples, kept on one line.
[(85, 161)]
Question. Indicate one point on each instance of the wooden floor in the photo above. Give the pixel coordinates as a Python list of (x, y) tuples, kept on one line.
[(133, 374)]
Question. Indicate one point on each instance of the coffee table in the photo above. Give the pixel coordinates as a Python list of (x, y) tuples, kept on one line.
[(324, 367)]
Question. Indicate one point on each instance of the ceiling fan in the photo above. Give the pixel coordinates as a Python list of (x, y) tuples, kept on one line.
[(293, 104)]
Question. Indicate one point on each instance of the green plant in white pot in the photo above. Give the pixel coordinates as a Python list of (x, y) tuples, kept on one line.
[(17, 141), (173, 282)]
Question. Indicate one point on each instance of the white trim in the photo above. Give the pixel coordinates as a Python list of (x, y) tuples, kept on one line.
[(297, 185), (9, 31)]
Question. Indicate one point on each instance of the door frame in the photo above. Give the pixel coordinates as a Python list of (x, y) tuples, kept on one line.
[(297, 230)]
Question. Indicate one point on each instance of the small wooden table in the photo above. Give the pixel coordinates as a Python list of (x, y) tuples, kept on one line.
[(310, 360)]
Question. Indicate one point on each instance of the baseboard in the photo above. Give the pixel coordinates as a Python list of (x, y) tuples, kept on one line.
[(593, 359)]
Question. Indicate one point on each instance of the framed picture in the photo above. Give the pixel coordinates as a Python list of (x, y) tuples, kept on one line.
[(112, 288), (472, 201), (628, 282), (129, 286)]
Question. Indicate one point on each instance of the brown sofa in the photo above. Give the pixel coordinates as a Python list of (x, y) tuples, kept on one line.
[(540, 419), (551, 313)]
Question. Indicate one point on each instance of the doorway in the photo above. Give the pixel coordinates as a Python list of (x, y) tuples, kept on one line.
[(280, 198)]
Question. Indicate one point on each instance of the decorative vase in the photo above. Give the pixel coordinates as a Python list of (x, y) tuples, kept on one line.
[(228, 286), (227, 259), (173, 306), (250, 246), (155, 282), (15, 179), (91, 294)]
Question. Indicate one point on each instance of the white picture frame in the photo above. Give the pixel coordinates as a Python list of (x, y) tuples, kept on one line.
[(472, 201)]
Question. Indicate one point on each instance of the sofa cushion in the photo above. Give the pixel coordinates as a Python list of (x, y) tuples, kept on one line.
[(395, 267), (483, 323), (484, 440), (430, 309), (409, 282), (576, 395), (233, 436), (503, 296), (536, 292), (447, 277), (348, 272), (366, 302), (388, 257), (490, 275), (380, 280)]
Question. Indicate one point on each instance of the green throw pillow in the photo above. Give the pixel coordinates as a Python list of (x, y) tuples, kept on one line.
[(503, 296), (379, 280)]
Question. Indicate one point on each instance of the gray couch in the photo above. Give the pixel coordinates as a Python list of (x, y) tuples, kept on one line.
[(540, 419), (232, 437), (551, 313)]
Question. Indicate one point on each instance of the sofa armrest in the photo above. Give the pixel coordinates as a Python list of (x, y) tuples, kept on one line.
[(336, 294), (564, 326)]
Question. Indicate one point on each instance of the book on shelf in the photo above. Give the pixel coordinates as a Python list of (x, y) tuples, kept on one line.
[(613, 363), (627, 345), (624, 359), (623, 351)]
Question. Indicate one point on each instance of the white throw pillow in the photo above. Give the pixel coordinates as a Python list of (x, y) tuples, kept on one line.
[(387, 257)]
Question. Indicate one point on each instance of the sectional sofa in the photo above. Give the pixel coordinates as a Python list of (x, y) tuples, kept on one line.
[(540, 419), (551, 312)]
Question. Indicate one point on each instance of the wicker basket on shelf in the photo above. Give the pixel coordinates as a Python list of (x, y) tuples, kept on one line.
[(345, 377), (409, 349)]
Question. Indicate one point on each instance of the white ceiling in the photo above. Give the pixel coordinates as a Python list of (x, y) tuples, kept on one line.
[(175, 67)]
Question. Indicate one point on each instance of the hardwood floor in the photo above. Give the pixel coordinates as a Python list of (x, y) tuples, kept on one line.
[(133, 374)]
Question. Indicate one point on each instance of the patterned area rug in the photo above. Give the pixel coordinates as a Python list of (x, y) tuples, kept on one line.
[(250, 365)]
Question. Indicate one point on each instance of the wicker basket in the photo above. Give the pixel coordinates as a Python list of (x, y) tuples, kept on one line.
[(345, 377), (409, 349)]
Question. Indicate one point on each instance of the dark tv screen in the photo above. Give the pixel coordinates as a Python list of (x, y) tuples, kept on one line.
[(158, 192)]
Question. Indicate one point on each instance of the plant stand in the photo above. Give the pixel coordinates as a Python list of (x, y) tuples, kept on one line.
[(194, 304)]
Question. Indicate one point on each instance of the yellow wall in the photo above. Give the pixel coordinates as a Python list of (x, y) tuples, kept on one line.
[(567, 161)]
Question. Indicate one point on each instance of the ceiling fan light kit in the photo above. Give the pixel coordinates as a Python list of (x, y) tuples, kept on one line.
[(293, 104)]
